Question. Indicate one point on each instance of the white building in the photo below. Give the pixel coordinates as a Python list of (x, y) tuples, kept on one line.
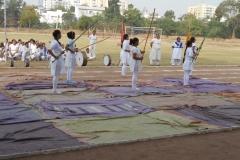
[(52, 17), (148, 14), (88, 11), (123, 6), (202, 11)]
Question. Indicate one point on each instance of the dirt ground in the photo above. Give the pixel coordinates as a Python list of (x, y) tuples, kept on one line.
[(213, 146)]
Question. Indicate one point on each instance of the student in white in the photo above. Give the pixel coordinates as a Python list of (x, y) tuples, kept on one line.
[(2, 52), (177, 52), (33, 48), (57, 62), (136, 62), (195, 50), (89, 55), (188, 64), (13, 49), (65, 52), (92, 40), (20, 49), (155, 53), (124, 55), (71, 56), (40, 52), (26, 52)]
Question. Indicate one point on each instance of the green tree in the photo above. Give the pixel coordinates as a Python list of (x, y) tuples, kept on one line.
[(229, 9), (29, 16), (84, 22), (169, 14), (133, 17), (167, 25), (69, 19), (72, 9), (14, 10), (59, 8), (112, 13), (219, 29)]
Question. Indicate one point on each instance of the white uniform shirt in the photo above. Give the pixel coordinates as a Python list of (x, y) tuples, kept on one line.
[(156, 43), (93, 38), (13, 48), (33, 48)]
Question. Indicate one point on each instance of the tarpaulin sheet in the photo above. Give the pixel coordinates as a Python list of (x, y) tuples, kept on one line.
[(201, 85), (4, 101), (116, 83), (180, 101), (233, 96), (42, 85), (90, 108), (13, 77), (68, 94), (129, 92), (117, 129), (18, 114), (31, 137), (227, 116)]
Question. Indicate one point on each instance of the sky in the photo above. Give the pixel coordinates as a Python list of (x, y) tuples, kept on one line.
[(179, 6)]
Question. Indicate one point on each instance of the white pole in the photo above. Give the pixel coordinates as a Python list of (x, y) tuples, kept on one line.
[(5, 33)]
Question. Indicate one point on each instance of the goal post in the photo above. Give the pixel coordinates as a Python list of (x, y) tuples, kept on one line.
[(142, 32)]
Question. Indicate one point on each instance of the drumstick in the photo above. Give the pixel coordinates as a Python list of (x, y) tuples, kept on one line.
[(94, 43), (149, 31)]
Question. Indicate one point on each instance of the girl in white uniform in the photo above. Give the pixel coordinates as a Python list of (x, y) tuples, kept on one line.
[(71, 56), (124, 55), (195, 49), (155, 53), (188, 63), (177, 52), (26, 52), (13, 49), (57, 62), (136, 62), (33, 48), (92, 40)]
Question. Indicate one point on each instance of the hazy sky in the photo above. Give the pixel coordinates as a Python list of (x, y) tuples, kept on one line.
[(179, 6)]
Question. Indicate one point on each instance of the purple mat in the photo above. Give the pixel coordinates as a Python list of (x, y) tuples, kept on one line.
[(32, 137), (201, 85), (42, 85), (17, 114), (91, 108), (226, 116), (4, 101), (150, 90)]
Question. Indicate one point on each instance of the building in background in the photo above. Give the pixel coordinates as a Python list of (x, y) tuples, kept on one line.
[(52, 17), (202, 11), (88, 11), (148, 14), (123, 6)]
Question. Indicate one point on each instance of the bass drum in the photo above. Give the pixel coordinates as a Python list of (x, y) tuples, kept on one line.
[(81, 59), (107, 60), (26, 63)]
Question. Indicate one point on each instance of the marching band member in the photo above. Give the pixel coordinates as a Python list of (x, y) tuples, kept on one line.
[(71, 56), (177, 52), (124, 55), (195, 49), (57, 62), (136, 64), (26, 52), (92, 40), (155, 53), (188, 63)]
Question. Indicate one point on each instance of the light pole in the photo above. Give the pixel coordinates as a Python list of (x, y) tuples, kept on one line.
[(5, 24)]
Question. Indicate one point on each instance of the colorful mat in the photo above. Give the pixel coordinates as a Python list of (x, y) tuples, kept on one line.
[(122, 129), (201, 85), (149, 90), (227, 116), (91, 108), (42, 85)]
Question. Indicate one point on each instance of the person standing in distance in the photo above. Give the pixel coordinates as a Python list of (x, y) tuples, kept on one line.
[(155, 53), (92, 40)]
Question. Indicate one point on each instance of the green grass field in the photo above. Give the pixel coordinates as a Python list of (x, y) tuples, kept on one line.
[(212, 53)]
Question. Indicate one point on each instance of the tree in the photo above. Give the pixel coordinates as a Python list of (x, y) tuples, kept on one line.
[(14, 10), (169, 14), (69, 18), (229, 9), (84, 22), (112, 13), (29, 16), (72, 9), (133, 17), (168, 25), (59, 8)]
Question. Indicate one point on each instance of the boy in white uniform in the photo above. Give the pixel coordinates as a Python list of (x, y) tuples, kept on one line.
[(92, 40), (26, 52), (177, 52), (155, 53)]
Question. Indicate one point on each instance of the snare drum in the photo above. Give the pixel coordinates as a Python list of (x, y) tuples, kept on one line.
[(81, 59), (107, 60)]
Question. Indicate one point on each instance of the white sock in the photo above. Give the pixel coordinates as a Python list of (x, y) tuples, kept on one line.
[(55, 81), (124, 68), (151, 62)]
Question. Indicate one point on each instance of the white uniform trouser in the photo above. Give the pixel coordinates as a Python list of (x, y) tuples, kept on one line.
[(93, 51), (124, 68), (176, 62), (157, 61), (16, 55), (186, 77), (69, 73), (134, 78), (56, 76)]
